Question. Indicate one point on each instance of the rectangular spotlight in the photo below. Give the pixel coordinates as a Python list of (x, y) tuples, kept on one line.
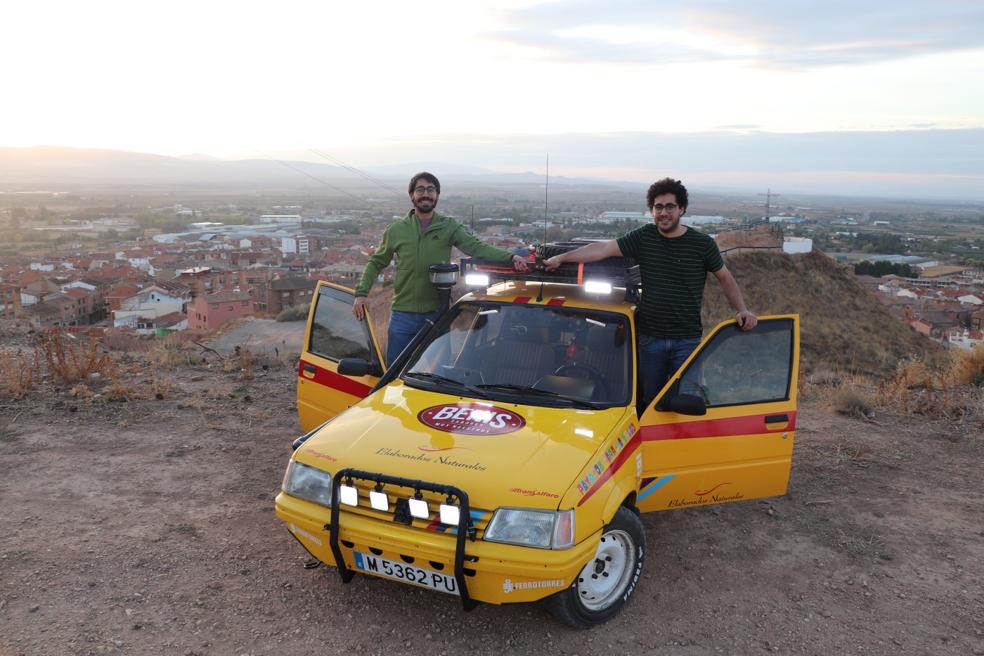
[(348, 495), (378, 500), (450, 514), (419, 509), (477, 280)]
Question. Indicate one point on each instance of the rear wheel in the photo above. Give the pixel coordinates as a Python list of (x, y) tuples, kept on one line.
[(608, 580)]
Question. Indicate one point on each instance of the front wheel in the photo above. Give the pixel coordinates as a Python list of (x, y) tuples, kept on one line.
[(608, 580)]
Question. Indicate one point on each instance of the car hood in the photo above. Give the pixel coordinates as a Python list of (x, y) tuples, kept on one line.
[(499, 453)]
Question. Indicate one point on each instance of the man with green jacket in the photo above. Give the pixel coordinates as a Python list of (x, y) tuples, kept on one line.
[(421, 238)]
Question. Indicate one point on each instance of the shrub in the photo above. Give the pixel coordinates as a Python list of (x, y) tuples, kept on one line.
[(242, 360), (968, 368), (17, 374), (172, 351), (849, 400), (69, 361)]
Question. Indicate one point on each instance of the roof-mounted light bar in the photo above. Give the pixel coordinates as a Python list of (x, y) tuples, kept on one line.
[(595, 277), (597, 287), (477, 280)]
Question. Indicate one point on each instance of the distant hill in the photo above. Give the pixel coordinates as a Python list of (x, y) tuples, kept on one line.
[(843, 326), (51, 165), (54, 166)]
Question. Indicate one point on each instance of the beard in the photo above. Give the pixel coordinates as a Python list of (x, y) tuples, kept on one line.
[(673, 226), (424, 205)]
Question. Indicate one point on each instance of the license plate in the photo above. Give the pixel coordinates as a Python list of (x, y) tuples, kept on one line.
[(407, 573)]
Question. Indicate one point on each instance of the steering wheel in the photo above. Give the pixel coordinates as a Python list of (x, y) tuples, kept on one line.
[(578, 370)]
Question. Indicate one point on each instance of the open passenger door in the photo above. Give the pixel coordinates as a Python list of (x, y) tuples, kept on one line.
[(333, 333), (742, 447)]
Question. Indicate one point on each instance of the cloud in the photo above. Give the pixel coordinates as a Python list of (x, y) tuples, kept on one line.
[(772, 33)]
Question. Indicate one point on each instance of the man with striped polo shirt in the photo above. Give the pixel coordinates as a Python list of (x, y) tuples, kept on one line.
[(673, 262)]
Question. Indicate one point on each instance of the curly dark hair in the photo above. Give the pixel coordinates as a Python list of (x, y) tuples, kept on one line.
[(667, 186), (424, 175)]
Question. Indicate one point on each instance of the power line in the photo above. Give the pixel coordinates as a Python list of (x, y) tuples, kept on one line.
[(358, 172), (315, 178)]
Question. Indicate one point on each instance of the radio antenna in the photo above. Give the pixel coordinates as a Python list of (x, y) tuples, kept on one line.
[(546, 197)]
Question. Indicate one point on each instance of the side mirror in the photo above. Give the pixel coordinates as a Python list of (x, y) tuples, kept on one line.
[(687, 404), (358, 367)]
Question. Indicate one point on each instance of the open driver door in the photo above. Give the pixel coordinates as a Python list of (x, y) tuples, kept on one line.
[(333, 333), (741, 446)]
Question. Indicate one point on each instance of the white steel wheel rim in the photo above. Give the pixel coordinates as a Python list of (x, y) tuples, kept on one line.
[(606, 576)]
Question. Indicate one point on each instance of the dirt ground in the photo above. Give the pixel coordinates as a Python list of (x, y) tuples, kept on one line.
[(147, 527)]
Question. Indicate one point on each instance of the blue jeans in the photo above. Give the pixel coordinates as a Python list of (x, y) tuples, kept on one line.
[(403, 326), (659, 358)]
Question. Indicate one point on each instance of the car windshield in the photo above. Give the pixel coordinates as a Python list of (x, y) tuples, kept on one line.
[(533, 354)]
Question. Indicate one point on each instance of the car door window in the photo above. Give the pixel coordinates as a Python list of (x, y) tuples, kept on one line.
[(335, 332), (738, 367)]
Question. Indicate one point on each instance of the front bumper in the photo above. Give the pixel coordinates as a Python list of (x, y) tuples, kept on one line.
[(493, 573)]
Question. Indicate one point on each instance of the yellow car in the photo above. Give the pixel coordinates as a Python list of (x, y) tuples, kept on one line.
[(504, 458)]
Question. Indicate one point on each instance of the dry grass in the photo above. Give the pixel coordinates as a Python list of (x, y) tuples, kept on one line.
[(968, 368), (173, 351), (81, 391), (119, 391), (934, 393), (162, 387), (853, 401), (244, 360), (68, 359), (835, 388), (825, 378), (219, 391), (17, 374), (115, 340), (913, 389)]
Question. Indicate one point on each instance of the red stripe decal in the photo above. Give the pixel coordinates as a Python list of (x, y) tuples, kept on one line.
[(580, 273), (523, 299), (334, 380), (748, 425), (556, 301), (620, 460)]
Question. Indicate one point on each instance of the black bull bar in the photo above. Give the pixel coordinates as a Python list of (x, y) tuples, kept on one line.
[(464, 531)]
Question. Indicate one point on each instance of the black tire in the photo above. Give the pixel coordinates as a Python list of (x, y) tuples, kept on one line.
[(592, 599)]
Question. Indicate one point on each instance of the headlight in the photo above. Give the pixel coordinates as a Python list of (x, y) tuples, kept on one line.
[(546, 529), (308, 483)]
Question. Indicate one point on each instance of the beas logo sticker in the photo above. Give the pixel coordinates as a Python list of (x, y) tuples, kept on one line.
[(471, 419)]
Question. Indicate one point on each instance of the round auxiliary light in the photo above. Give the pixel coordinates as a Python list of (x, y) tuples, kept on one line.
[(443, 275)]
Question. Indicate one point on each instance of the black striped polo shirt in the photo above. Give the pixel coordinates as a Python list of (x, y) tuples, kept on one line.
[(673, 272)]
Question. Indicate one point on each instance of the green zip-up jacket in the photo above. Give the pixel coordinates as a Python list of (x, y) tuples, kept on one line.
[(412, 288)]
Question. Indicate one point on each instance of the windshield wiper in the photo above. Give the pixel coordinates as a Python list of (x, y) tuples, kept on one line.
[(526, 389), (444, 380)]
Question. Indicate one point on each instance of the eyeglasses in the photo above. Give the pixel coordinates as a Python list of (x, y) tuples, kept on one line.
[(658, 207), (421, 189)]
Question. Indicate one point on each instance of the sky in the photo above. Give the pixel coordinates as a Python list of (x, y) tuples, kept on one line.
[(380, 82)]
